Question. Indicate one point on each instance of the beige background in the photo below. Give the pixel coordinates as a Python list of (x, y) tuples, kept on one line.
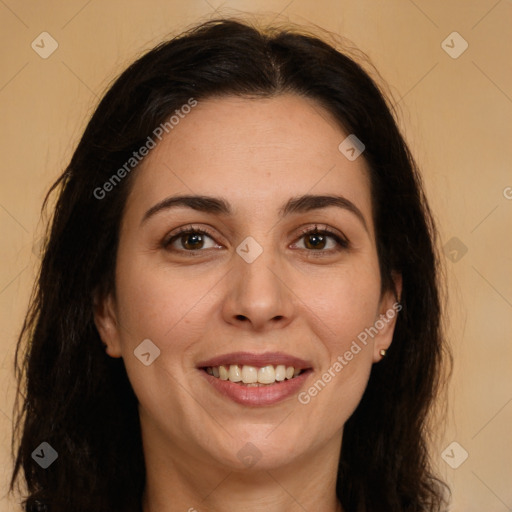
[(456, 114)]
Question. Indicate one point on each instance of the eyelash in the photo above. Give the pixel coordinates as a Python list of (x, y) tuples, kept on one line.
[(342, 242)]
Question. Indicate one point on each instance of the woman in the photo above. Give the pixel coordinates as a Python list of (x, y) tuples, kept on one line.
[(238, 303)]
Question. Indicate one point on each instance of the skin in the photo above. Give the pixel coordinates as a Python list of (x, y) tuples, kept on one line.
[(256, 154)]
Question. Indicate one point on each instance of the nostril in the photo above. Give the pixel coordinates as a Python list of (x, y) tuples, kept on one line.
[(241, 317)]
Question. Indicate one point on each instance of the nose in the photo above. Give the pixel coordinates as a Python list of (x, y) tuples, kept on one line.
[(258, 297)]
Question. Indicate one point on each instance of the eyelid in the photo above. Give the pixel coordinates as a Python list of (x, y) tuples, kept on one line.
[(321, 228)]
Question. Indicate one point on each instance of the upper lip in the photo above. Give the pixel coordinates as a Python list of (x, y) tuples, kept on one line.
[(253, 359)]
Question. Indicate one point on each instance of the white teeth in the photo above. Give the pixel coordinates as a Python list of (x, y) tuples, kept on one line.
[(266, 375), (252, 375), (249, 374), (280, 372), (223, 373), (235, 373)]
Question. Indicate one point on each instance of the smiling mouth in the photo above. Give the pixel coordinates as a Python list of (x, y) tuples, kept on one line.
[(253, 376)]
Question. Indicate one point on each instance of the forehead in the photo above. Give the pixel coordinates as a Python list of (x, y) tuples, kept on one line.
[(253, 152)]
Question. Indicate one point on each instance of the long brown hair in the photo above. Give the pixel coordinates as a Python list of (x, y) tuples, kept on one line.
[(80, 401)]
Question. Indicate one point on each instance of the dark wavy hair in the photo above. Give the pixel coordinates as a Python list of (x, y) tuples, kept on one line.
[(79, 400)]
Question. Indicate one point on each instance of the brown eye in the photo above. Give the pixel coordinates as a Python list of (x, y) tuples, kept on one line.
[(192, 241), (315, 241), (321, 241), (189, 240)]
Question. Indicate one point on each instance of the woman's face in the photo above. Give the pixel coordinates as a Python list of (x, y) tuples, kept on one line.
[(254, 291)]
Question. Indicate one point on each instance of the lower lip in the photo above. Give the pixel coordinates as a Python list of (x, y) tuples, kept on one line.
[(258, 396)]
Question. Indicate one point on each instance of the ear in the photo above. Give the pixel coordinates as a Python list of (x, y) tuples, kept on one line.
[(389, 309), (105, 319)]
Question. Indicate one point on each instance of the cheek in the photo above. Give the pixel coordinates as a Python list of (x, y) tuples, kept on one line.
[(344, 302), (173, 310), (158, 304), (341, 308)]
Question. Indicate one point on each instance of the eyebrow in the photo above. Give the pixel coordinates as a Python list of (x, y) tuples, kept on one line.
[(217, 205)]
